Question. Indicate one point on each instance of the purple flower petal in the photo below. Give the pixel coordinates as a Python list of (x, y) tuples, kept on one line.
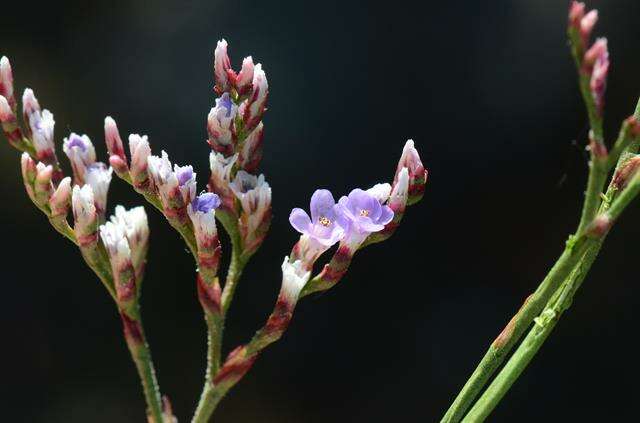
[(300, 221), (386, 216), (322, 204), (206, 202)]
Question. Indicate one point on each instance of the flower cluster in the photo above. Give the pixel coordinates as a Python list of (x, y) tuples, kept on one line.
[(594, 59)]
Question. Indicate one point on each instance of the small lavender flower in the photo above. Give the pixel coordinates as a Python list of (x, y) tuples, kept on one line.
[(221, 64), (140, 151), (6, 82), (255, 105), (186, 182), (322, 227), (251, 151), (361, 213), (81, 154), (98, 176), (220, 125), (294, 277), (245, 77)]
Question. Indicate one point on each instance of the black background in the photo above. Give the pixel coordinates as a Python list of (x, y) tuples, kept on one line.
[(488, 92)]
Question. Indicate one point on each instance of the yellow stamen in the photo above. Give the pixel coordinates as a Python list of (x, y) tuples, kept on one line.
[(324, 221), (364, 213)]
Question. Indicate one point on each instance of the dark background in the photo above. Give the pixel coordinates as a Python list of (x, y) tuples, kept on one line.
[(488, 92)]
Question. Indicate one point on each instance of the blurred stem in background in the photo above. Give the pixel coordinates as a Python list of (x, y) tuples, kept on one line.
[(599, 212)]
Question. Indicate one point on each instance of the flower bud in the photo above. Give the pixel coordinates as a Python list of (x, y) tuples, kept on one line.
[(598, 82), (81, 154), (117, 158), (626, 173), (220, 125), (220, 179), (84, 215), (133, 225), (40, 128), (30, 107), (576, 13), (114, 238), (254, 194), (255, 105), (221, 65), (140, 152), (597, 50), (586, 25), (9, 122), (28, 167), (245, 77), (42, 187), (61, 198), (98, 176), (202, 214), (6, 82), (251, 150), (294, 277), (417, 173)]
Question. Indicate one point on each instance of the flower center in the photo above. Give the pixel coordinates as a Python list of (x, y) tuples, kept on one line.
[(324, 221), (364, 213)]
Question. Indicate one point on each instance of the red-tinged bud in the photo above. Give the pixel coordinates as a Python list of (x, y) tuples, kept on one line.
[(600, 226), (333, 271), (28, 166), (220, 180), (30, 107), (245, 78), (85, 216), (60, 200), (598, 82), (10, 125), (251, 150), (237, 364), (576, 13), (117, 158), (115, 240), (221, 64), (254, 194), (140, 152), (255, 105), (598, 149), (626, 173), (209, 295), (42, 186), (417, 173), (586, 25), (597, 50), (6, 82), (634, 126)]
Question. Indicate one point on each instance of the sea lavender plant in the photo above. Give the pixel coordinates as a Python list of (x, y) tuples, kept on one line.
[(237, 197)]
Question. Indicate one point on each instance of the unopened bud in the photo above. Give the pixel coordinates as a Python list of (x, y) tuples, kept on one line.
[(417, 173), (202, 213), (61, 198), (251, 150), (586, 25), (245, 77), (98, 176), (140, 152), (255, 105), (117, 158), (133, 225), (84, 215), (294, 277), (9, 123), (598, 82), (42, 187), (221, 65), (254, 194), (220, 180), (28, 167), (220, 125), (6, 82), (81, 154), (626, 173), (576, 13), (600, 226)]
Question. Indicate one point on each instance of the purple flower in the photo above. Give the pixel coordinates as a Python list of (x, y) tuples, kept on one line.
[(361, 213), (322, 226), (205, 202)]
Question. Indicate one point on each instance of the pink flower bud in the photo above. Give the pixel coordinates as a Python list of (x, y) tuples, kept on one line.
[(417, 173), (257, 101), (586, 25), (576, 13), (598, 49), (30, 106), (117, 158), (9, 123), (140, 151), (220, 66), (81, 153), (42, 187), (251, 150), (598, 82), (6, 82), (6, 114), (245, 77), (28, 167), (61, 198)]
